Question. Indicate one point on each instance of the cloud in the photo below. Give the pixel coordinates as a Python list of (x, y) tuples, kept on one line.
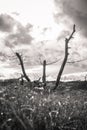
[(16, 33), (6, 23), (75, 10), (20, 36), (16, 13), (69, 12), (15, 36)]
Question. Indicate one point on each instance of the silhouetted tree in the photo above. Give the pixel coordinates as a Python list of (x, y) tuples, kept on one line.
[(65, 58), (22, 67)]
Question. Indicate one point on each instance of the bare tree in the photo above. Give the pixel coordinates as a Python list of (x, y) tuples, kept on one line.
[(65, 58), (22, 67), (44, 69)]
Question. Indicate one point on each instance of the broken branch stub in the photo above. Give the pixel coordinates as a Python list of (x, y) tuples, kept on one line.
[(44, 73)]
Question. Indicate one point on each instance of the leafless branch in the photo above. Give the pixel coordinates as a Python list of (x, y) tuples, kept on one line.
[(65, 58), (22, 66)]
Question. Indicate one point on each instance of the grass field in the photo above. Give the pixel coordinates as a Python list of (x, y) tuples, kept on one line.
[(25, 108)]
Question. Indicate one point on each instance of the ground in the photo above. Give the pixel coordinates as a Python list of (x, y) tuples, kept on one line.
[(26, 108)]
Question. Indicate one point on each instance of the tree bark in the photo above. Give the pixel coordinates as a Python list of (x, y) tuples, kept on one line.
[(62, 66), (44, 73), (22, 67), (65, 58)]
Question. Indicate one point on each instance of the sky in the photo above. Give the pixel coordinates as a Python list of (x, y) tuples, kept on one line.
[(37, 30)]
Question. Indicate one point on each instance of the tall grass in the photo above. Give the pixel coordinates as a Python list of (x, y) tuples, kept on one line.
[(22, 108)]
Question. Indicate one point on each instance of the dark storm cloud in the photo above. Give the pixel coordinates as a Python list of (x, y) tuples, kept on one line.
[(21, 36), (16, 32), (16, 35), (76, 10), (6, 23)]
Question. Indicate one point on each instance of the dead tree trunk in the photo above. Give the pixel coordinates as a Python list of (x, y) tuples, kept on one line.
[(65, 58), (44, 73), (22, 66)]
